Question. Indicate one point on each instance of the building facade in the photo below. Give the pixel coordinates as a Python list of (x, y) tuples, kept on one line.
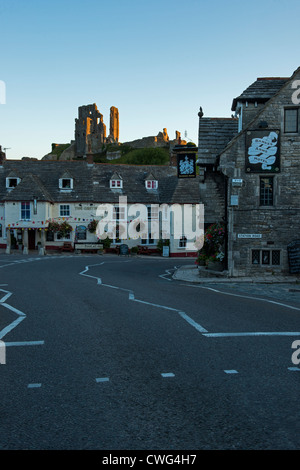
[(46, 203), (259, 170)]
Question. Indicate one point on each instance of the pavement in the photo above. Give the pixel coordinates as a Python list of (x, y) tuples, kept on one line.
[(192, 273), (273, 287)]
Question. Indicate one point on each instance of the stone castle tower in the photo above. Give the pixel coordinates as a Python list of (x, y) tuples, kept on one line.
[(90, 130)]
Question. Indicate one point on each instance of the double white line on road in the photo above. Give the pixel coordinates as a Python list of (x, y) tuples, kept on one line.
[(192, 322)]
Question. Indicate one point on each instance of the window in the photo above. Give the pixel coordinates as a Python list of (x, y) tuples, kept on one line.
[(266, 257), (291, 120), (25, 210), (182, 242), (148, 241), (64, 210), (266, 191), (151, 184), (50, 236), (118, 184), (66, 236), (119, 213), (80, 233), (12, 182), (0, 230), (66, 184), (255, 256)]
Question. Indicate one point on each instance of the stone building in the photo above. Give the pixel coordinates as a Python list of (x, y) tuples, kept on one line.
[(258, 193)]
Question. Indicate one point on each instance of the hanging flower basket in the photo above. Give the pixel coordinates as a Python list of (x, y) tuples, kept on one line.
[(92, 226)]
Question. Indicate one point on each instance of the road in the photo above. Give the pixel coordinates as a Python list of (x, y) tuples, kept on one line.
[(108, 352)]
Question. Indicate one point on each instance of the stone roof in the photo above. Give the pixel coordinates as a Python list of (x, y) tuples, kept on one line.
[(91, 183), (261, 90), (214, 135)]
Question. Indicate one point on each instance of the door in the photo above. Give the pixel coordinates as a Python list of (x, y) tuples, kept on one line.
[(31, 239)]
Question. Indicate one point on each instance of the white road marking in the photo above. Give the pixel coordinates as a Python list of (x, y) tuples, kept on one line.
[(192, 322), (102, 379), (25, 343), (34, 385), (231, 371), (11, 326), (256, 333), (168, 374), (294, 368), (244, 296)]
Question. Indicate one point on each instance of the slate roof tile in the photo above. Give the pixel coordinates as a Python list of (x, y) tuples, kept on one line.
[(40, 179)]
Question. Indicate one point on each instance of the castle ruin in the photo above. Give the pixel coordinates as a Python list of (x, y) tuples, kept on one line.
[(90, 130)]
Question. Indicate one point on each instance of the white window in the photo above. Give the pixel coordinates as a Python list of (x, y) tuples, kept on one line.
[(64, 210), (148, 241), (66, 184), (182, 242), (119, 213), (12, 182), (25, 210), (151, 184), (116, 184), (66, 236)]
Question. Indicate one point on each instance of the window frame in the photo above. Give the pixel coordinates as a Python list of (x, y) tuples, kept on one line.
[(285, 130), (182, 242), (61, 210), (264, 194), (116, 184), (24, 211), (151, 184), (64, 188), (269, 254), (9, 179)]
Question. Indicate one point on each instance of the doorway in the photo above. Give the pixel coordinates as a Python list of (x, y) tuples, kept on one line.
[(31, 239)]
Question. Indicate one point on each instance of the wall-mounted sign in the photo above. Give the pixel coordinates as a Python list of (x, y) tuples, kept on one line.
[(237, 182), (186, 165), (249, 235), (234, 200), (262, 151)]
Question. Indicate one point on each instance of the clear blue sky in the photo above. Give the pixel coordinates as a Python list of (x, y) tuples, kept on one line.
[(157, 61)]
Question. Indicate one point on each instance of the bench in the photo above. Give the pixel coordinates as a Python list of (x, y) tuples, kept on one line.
[(88, 247)]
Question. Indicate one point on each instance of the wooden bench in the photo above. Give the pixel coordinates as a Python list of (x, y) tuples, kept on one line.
[(88, 247)]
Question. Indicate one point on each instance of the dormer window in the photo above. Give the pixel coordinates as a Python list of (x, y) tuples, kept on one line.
[(12, 182), (151, 184), (66, 184), (116, 182)]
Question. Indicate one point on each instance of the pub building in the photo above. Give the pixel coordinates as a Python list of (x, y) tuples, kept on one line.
[(249, 167)]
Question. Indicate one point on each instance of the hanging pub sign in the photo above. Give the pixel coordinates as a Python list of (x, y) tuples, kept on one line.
[(186, 165), (262, 151)]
